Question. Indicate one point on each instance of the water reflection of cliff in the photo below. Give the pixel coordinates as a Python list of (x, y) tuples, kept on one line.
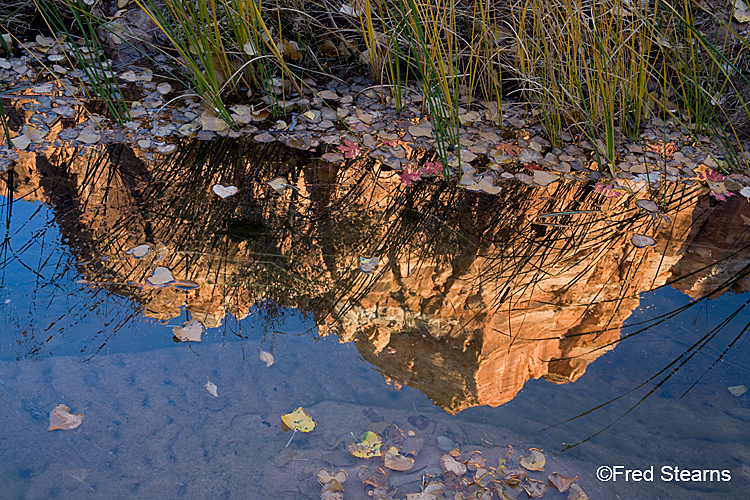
[(475, 294)]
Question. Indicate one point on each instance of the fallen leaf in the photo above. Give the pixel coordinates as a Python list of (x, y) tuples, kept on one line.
[(279, 184), (408, 177), (449, 464), (642, 241), (189, 332), (139, 252), (331, 494), (325, 477), (560, 482), (164, 88), (737, 390), (745, 191), (534, 488), (283, 457), (368, 264), (61, 418), (21, 142), (419, 421), (577, 493), (543, 178), (266, 357), (298, 420), (648, 205), (367, 447), (161, 276), (377, 477), (185, 285), (350, 149), (211, 387), (423, 129), (395, 461), (225, 191), (534, 460), (73, 478)]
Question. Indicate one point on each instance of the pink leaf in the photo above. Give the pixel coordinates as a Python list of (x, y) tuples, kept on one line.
[(433, 167), (351, 149), (409, 176), (608, 191)]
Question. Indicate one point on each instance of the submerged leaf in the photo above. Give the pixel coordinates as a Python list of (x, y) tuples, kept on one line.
[(395, 461), (279, 184), (737, 390), (534, 460), (211, 387), (367, 447), (266, 357), (61, 418), (449, 464), (298, 420), (73, 478), (560, 482)]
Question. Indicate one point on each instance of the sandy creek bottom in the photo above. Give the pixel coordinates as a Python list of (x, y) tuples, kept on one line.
[(152, 430)]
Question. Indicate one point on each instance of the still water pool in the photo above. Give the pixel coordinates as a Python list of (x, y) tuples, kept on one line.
[(441, 320)]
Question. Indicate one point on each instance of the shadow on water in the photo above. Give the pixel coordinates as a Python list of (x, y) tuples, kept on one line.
[(473, 297)]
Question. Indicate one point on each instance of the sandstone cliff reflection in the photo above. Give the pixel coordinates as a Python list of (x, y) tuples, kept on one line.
[(474, 295)]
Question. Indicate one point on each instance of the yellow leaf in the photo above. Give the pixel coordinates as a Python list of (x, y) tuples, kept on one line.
[(367, 447), (298, 420)]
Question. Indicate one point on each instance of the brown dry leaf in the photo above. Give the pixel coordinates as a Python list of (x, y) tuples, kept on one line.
[(577, 493), (534, 460), (395, 461), (61, 418), (266, 357), (211, 387), (73, 478), (373, 477), (560, 482), (331, 495), (534, 488), (449, 464), (325, 477)]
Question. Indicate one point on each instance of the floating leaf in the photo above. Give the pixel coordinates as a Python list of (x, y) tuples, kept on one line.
[(160, 277), (368, 264), (737, 390), (189, 332), (395, 461), (139, 252), (367, 447), (560, 482), (351, 149), (61, 418), (185, 285), (224, 191), (211, 387), (449, 464), (298, 420), (266, 357), (642, 241), (279, 184), (534, 460)]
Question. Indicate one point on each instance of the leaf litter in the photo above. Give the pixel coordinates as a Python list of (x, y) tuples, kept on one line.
[(60, 418)]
